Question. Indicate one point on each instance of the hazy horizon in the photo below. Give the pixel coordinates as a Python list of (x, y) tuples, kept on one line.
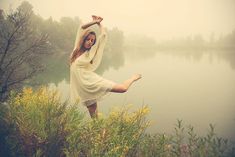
[(154, 18)]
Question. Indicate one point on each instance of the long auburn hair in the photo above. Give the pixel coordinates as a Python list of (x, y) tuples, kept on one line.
[(80, 44)]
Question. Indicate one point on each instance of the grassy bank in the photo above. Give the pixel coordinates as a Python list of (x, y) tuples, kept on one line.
[(36, 123)]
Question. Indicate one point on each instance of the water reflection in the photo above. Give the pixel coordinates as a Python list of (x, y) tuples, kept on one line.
[(141, 55), (58, 65)]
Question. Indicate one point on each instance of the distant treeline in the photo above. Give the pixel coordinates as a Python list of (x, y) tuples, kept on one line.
[(193, 42), (196, 42)]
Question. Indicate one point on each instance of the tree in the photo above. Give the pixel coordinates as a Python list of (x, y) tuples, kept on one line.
[(21, 49)]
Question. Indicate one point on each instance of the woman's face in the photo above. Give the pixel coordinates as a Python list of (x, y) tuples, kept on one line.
[(89, 41)]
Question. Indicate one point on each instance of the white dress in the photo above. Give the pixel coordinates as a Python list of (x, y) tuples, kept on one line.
[(85, 85)]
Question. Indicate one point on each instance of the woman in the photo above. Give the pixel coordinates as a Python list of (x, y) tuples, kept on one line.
[(85, 84)]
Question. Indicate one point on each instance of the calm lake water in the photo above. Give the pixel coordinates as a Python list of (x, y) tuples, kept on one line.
[(198, 89)]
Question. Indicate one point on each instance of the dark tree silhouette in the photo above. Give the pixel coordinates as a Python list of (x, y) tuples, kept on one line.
[(21, 49)]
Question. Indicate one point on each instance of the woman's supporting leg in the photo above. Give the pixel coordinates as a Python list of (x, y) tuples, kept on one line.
[(123, 87), (93, 110)]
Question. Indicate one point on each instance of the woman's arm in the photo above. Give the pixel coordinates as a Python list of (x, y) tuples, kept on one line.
[(96, 20), (85, 26), (102, 29)]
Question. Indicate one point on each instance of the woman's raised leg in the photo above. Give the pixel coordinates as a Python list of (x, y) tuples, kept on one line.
[(123, 87), (119, 88)]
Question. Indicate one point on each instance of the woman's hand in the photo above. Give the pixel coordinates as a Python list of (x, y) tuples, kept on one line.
[(97, 19)]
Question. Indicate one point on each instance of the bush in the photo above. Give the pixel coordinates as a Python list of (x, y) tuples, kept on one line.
[(36, 123), (117, 135), (186, 143), (40, 125)]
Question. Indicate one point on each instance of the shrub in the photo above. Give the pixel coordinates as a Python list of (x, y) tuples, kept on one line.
[(36, 123), (39, 120), (117, 135)]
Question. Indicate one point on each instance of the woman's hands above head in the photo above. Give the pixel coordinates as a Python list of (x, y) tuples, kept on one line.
[(97, 19)]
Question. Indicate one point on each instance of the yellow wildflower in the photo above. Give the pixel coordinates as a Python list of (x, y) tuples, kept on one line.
[(145, 110)]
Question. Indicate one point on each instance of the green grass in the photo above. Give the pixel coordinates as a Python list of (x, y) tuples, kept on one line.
[(36, 123)]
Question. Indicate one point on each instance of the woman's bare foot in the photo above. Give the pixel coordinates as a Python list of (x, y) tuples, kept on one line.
[(136, 77)]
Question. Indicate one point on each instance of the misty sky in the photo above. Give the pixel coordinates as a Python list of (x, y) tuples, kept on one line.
[(161, 19)]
